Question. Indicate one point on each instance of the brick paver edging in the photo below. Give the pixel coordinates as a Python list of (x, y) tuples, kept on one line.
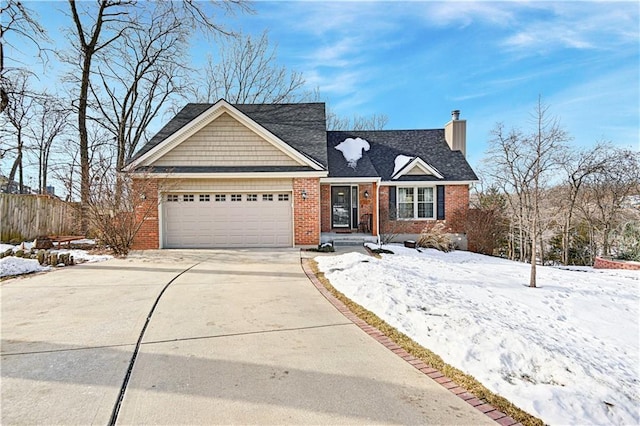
[(434, 374)]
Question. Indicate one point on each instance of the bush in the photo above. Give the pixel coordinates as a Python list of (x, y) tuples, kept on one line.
[(435, 237), (629, 243)]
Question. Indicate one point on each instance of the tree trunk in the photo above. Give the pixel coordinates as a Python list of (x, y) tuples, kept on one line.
[(606, 250), (85, 180), (565, 241), (534, 231)]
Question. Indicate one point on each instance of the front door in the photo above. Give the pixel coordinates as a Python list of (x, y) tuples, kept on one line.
[(340, 206)]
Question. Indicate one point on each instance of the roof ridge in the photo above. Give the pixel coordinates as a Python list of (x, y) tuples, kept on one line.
[(385, 130)]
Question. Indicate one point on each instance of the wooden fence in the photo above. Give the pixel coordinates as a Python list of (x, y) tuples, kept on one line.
[(24, 217)]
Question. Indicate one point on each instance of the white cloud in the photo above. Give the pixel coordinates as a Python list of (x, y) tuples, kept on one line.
[(463, 14), (576, 25)]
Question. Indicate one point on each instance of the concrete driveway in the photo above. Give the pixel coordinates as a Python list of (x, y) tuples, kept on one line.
[(237, 337)]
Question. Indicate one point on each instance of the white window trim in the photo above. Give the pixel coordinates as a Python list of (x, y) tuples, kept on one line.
[(415, 203)]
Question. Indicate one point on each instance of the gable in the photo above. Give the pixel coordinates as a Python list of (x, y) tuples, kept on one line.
[(226, 142), (417, 171)]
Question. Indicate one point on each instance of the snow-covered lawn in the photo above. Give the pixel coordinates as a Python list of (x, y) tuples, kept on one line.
[(567, 352), (11, 265)]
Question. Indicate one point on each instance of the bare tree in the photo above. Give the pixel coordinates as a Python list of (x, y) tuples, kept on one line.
[(109, 22), (51, 119), (503, 166), (132, 93), (18, 20), (246, 70), (525, 164), (357, 122), (578, 167), (96, 28), (18, 115), (607, 190)]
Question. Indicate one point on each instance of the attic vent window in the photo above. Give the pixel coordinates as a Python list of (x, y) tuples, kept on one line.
[(352, 150)]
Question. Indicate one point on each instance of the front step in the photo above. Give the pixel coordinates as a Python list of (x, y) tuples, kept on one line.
[(348, 239)]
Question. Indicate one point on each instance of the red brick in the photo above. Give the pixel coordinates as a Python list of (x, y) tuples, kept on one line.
[(443, 379), (466, 396), (506, 421), (495, 414), (457, 390), (485, 408), (429, 370), (474, 402), (449, 385), (435, 374), (306, 211)]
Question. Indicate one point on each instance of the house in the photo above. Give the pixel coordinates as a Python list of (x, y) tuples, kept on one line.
[(223, 175)]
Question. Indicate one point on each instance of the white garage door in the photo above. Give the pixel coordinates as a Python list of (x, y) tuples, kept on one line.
[(218, 220)]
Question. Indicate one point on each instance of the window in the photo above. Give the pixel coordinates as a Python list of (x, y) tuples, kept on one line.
[(252, 197), (205, 198), (425, 203), (236, 197), (283, 197), (221, 197), (416, 203), (405, 203), (267, 197), (173, 198), (188, 197)]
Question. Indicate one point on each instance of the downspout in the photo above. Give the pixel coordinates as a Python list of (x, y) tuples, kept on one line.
[(378, 207)]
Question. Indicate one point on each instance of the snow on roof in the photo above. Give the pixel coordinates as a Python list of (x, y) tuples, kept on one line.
[(352, 150), (400, 162)]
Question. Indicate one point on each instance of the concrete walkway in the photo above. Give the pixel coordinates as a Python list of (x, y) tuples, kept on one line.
[(241, 337)]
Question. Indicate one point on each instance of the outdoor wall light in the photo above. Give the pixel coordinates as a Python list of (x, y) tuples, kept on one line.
[(304, 194), (366, 194)]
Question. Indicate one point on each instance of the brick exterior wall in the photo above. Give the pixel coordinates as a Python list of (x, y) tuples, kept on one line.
[(600, 263), (325, 208), (147, 237), (306, 222), (456, 207)]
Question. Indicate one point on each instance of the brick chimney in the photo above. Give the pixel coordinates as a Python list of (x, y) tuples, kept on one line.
[(455, 133)]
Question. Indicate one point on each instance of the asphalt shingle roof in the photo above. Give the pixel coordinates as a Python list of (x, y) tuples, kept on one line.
[(386, 145), (302, 126)]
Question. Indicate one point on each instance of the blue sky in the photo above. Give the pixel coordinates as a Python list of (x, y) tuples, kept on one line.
[(417, 61)]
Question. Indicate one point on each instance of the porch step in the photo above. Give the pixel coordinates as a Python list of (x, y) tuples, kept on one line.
[(347, 239)]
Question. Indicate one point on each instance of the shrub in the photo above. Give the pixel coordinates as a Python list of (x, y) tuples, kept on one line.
[(435, 237), (629, 243)]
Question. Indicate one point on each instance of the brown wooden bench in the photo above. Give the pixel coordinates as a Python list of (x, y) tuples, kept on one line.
[(61, 239)]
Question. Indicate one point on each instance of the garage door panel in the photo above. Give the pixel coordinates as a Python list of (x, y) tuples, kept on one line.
[(228, 220)]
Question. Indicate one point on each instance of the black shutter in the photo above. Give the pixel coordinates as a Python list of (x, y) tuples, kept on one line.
[(440, 200), (392, 203)]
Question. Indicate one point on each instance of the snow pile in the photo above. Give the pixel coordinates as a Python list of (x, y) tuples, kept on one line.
[(400, 162), (352, 150), (27, 245), (81, 256), (567, 352), (19, 266)]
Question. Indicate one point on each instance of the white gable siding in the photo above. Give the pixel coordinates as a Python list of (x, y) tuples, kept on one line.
[(417, 171), (225, 142)]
